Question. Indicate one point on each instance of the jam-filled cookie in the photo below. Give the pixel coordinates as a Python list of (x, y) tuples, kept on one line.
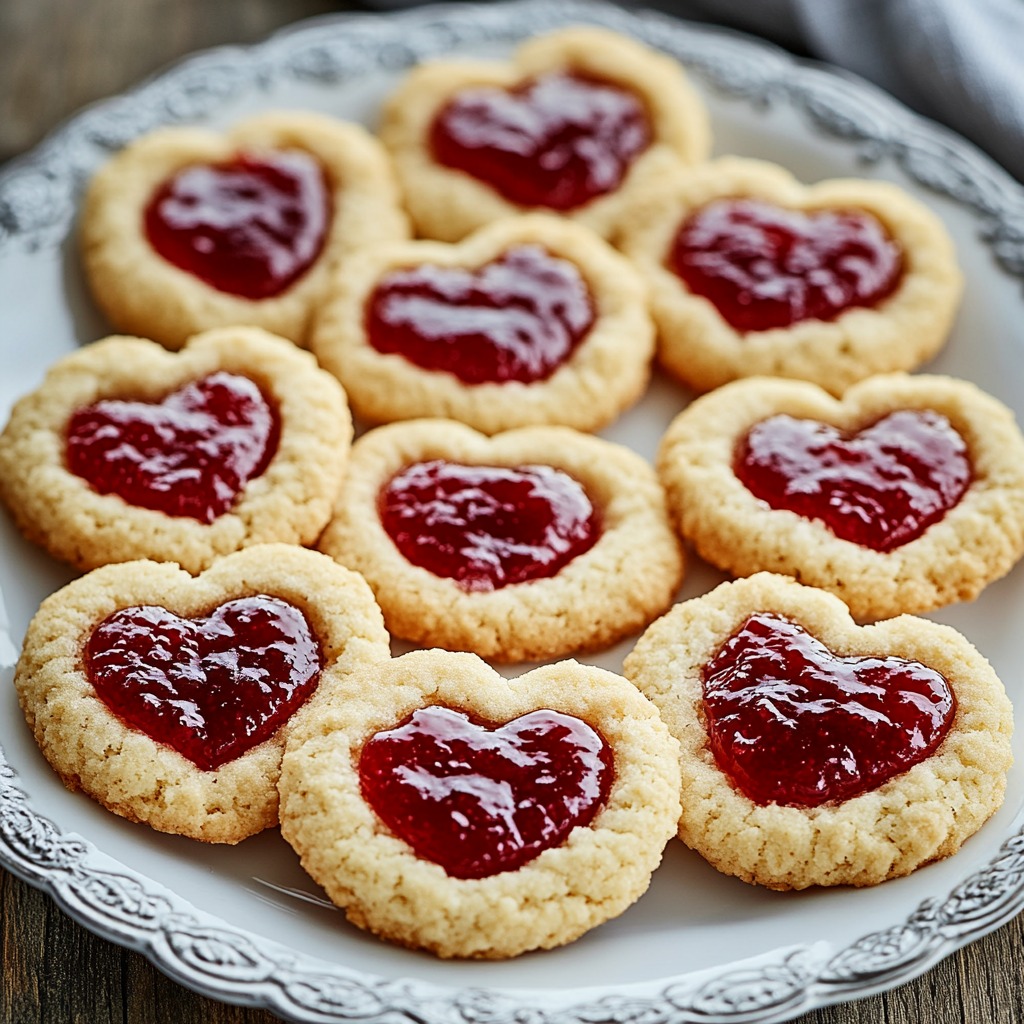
[(753, 273), (818, 752), (906, 495), (168, 698), (447, 808), (530, 320), (574, 123), (188, 229), (526, 545), (130, 451)]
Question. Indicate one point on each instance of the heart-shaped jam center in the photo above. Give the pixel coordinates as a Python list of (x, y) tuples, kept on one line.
[(250, 226), (517, 318), (765, 266), (556, 141), (479, 799), (488, 526), (210, 688), (189, 455), (790, 722), (881, 487)]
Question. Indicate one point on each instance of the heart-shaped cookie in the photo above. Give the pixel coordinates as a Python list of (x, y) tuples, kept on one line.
[(168, 698), (906, 495), (577, 120), (753, 273), (522, 546), (187, 229), (446, 807), (129, 451), (529, 320), (818, 752)]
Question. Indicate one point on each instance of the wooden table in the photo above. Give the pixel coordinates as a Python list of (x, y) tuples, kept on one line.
[(55, 56)]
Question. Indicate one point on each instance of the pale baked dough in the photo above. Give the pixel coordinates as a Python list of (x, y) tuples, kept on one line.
[(924, 814), (123, 768), (384, 887), (605, 374), (142, 293), (290, 502), (613, 589), (448, 204), (702, 350), (976, 542)]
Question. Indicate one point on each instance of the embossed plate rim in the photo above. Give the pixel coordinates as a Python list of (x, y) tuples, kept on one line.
[(37, 202)]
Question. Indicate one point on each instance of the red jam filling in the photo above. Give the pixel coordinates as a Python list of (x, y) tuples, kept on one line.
[(556, 141), (517, 318), (488, 526), (189, 455), (790, 722), (765, 266), (250, 226), (211, 688), (478, 798), (881, 487)]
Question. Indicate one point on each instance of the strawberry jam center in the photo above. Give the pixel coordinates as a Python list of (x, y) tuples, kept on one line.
[(517, 318), (211, 688), (250, 226), (790, 722), (555, 141), (189, 455), (881, 487), (765, 266), (479, 799), (486, 527)]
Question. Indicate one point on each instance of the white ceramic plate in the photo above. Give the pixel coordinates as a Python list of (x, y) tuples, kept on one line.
[(698, 945)]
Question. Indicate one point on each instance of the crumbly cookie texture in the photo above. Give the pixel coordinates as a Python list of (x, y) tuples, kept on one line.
[(615, 588), (922, 815), (448, 204), (605, 374), (977, 541), (598, 871), (142, 293), (702, 350), (290, 502), (126, 770)]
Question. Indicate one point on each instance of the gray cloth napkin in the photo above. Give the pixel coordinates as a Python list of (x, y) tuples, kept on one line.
[(959, 62)]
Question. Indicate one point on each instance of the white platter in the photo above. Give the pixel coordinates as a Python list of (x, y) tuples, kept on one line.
[(698, 946)]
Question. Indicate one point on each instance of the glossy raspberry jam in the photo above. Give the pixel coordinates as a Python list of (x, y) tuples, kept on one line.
[(557, 141), (880, 487), (488, 526), (211, 688), (250, 226), (790, 722), (765, 266), (517, 318), (188, 455), (479, 798)]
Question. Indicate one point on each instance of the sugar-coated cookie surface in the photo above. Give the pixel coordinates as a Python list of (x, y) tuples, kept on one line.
[(593, 874), (122, 767), (697, 343), (600, 298), (447, 203), (144, 293), (921, 814), (627, 575), (973, 489), (289, 501)]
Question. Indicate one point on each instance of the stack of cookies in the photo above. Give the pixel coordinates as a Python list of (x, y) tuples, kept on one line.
[(473, 293)]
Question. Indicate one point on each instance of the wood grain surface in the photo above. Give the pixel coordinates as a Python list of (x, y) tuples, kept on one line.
[(55, 57)]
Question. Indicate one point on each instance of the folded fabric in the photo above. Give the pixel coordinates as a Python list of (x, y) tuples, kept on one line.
[(953, 61)]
